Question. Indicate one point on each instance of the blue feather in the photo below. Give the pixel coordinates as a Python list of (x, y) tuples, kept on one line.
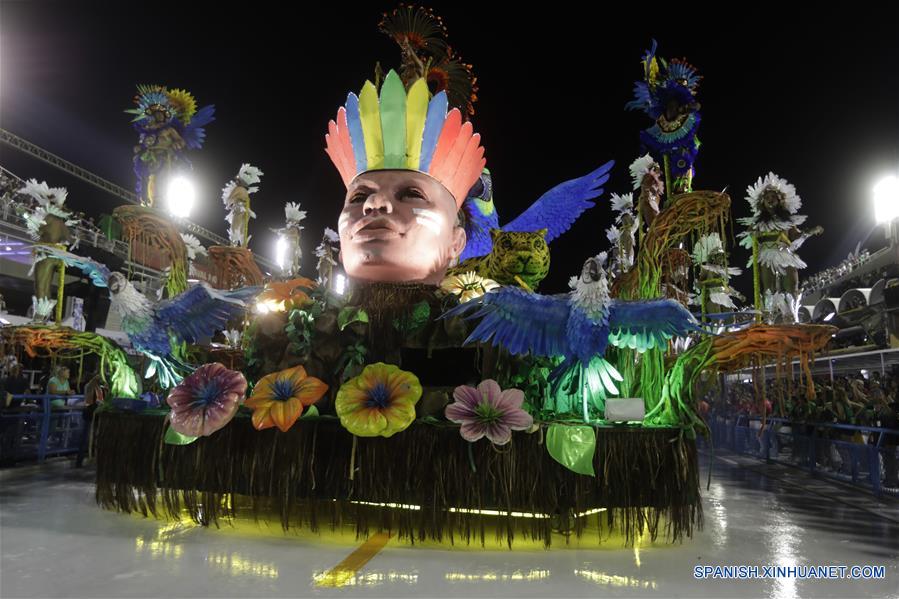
[(685, 72), (433, 127), (643, 100), (357, 138), (558, 208), (194, 133)]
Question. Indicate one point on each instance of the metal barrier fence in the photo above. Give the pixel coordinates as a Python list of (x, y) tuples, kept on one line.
[(39, 430), (861, 455)]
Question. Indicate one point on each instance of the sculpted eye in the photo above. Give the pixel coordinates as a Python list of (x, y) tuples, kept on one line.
[(413, 194), (358, 197)]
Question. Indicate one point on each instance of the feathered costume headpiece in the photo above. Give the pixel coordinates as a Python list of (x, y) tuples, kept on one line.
[(791, 204), (422, 38), (640, 167), (292, 213), (246, 177), (663, 81), (179, 108), (405, 131), (49, 201)]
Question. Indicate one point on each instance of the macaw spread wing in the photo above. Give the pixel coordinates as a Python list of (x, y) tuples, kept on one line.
[(198, 312), (98, 272), (647, 324), (558, 208), (519, 321)]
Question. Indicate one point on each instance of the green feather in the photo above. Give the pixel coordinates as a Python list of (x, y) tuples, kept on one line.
[(393, 121)]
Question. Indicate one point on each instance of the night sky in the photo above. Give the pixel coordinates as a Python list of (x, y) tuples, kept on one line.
[(812, 95)]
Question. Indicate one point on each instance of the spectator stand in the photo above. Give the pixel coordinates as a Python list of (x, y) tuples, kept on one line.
[(865, 456), (35, 430)]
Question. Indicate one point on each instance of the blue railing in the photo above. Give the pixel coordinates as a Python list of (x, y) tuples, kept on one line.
[(39, 430), (860, 455)]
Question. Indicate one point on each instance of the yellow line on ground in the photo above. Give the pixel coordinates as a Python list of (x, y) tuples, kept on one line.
[(344, 572)]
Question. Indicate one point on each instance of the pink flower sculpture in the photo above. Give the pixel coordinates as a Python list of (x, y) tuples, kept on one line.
[(206, 400), (488, 411)]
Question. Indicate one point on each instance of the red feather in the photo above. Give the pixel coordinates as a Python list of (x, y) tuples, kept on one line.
[(446, 169), (447, 140), (346, 142), (470, 167), (336, 153)]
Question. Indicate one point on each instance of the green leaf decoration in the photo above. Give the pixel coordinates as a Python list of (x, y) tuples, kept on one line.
[(349, 315), (420, 315), (416, 319), (173, 437), (110, 226), (310, 412), (572, 446)]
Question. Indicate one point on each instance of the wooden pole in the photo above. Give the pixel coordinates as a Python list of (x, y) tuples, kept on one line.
[(61, 291), (755, 277)]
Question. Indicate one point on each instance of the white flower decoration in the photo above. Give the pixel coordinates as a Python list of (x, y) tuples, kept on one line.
[(467, 286)]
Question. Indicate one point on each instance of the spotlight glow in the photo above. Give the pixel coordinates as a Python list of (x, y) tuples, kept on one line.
[(886, 199), (181, 196), (340, 284), (281, 252), (269, 306)]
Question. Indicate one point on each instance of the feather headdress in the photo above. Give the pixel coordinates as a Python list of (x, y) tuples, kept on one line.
[(405, 131), (791, 203), (639, 168)]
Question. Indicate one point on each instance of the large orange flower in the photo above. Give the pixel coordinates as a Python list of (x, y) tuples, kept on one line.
[(279, 296), (279, 398)]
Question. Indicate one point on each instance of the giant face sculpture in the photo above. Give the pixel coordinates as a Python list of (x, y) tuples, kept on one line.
[(399, 226), (408, 163)]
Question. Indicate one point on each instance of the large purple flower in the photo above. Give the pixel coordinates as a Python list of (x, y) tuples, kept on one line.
[(206, 400), (488, 412)]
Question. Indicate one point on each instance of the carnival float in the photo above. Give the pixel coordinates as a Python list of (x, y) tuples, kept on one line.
[(420, 383)]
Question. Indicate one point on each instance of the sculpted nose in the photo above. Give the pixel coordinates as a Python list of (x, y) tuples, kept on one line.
[(377, 202)]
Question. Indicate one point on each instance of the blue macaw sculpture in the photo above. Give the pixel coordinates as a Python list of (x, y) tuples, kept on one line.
[(556, 210), (577, 326), (155, 329)]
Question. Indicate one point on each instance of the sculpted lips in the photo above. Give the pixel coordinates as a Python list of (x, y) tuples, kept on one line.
[(374, 229)]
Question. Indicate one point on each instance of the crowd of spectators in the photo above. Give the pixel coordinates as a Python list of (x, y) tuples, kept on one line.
[(861, 400), (866, 399), (827, 277)]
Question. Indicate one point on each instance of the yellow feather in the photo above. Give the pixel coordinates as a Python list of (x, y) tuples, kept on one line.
[(183, 102), (370, 115), (416, 112)]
